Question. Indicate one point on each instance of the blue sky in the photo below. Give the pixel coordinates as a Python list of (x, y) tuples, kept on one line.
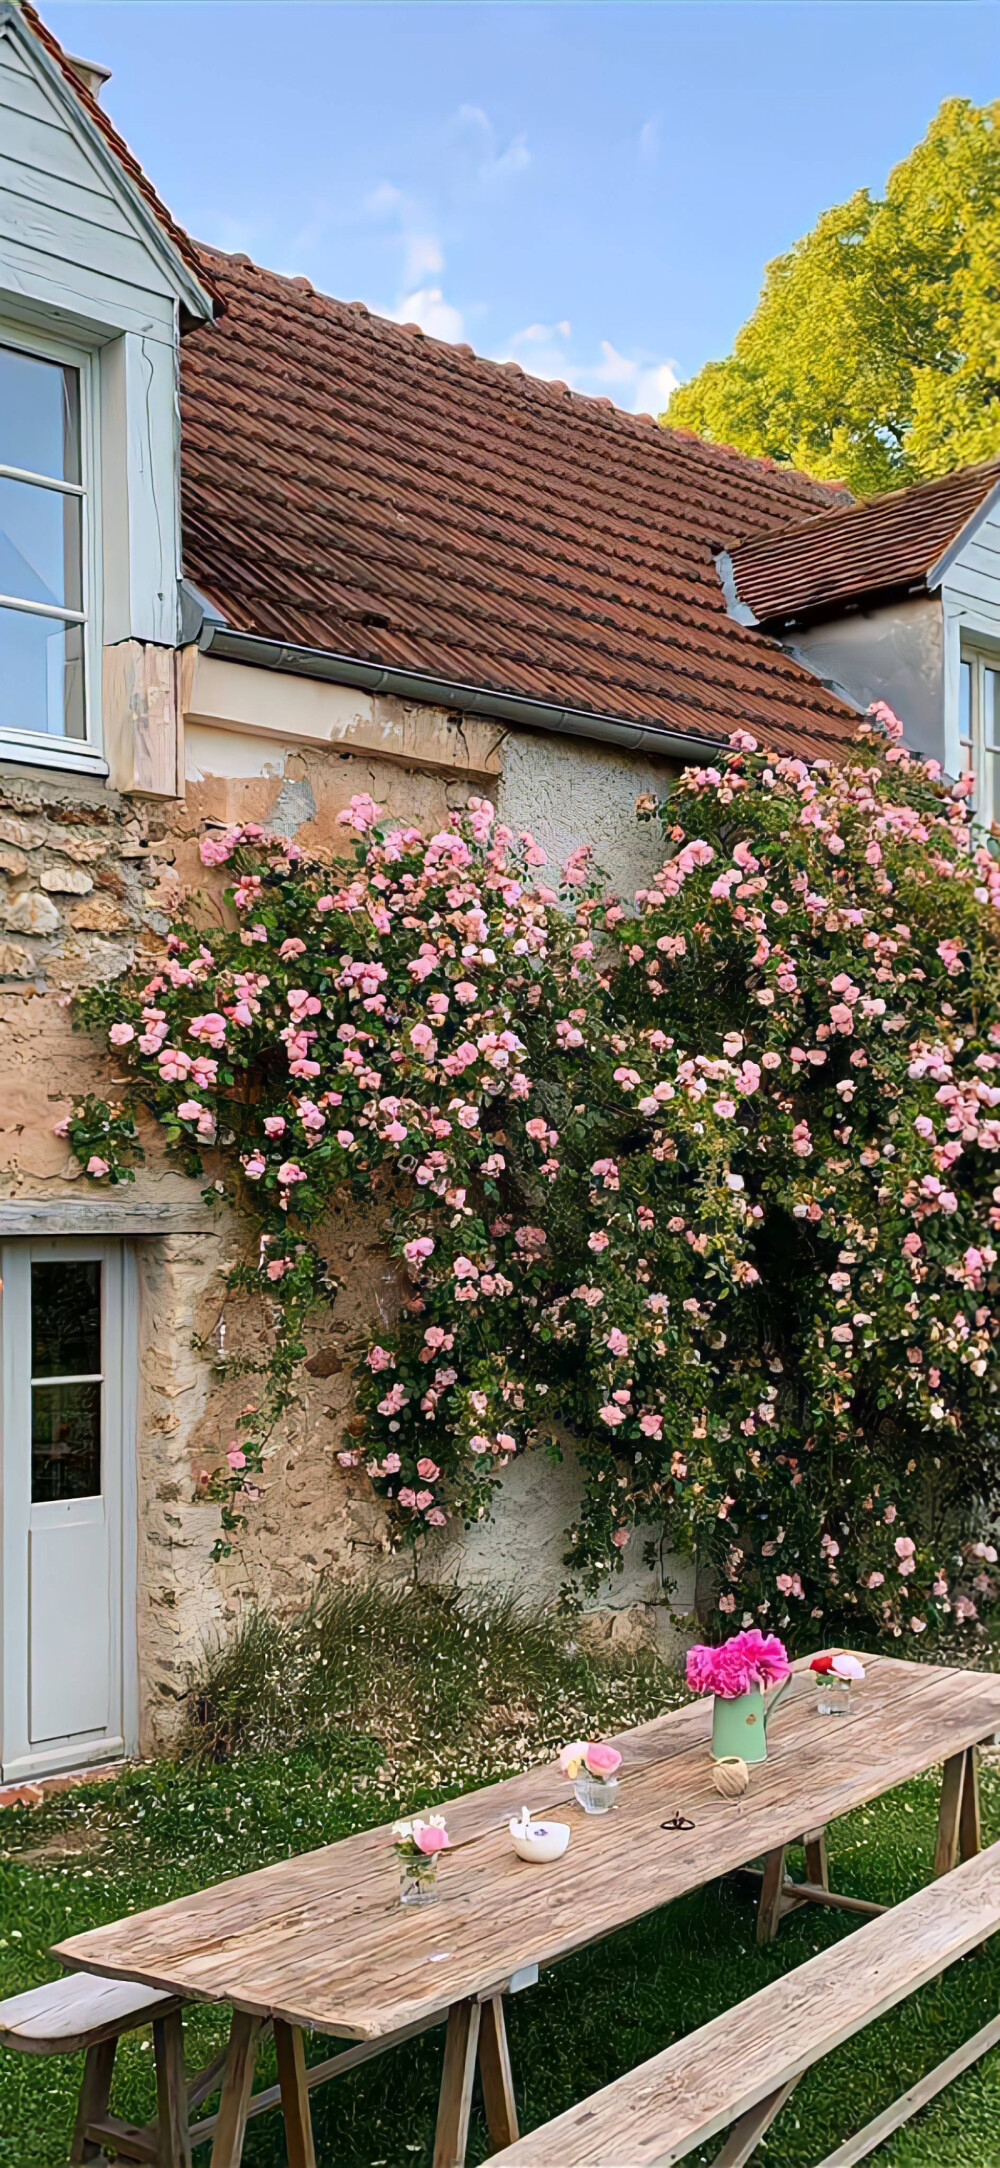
[(592, 190)]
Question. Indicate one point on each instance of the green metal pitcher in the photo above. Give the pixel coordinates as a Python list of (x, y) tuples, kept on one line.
[(740, 1726)]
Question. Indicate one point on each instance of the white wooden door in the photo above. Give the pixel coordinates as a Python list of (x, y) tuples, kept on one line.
[(68, 1511)]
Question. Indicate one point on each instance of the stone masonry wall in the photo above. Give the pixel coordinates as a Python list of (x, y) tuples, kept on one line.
[(87, 881)]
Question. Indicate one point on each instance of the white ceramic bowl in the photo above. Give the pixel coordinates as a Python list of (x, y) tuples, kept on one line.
[(541, 1841)]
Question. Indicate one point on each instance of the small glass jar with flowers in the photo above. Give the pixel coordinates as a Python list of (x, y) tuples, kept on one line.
[(834, 1671), (418, 1847), (593, 1770)]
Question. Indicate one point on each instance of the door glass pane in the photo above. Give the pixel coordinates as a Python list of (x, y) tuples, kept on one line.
[(65, 1345), (39, 415), (66, 1319), (65, 1441), (965, 703), (40, 558), (41, 675)]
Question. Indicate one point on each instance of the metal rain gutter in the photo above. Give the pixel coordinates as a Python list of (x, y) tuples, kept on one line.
[(319, 662)]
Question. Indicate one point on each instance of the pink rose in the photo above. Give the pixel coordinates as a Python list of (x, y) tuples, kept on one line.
[(427, 1837), (602, 1761), (429, 1470), (236, 1458), (97, 1166), (121, 1034)]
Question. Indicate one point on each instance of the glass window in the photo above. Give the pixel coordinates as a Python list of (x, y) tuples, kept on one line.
[(965, 704), (66, 1380), (42, 525), (991, 707)]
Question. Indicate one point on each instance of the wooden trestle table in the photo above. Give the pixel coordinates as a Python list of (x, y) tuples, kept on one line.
[(320, 1943)]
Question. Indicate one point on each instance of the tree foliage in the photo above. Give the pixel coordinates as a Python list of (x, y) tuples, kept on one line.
[(873, 355), (707, 1185)]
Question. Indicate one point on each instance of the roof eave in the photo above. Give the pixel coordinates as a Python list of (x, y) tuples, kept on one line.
[(189, 291), (327, 664), (940, 569)]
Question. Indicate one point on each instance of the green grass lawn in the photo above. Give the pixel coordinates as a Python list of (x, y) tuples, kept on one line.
[(161, 1830)]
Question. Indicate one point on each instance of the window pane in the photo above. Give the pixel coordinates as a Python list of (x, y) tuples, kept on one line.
[(66, 1319), (40, 545), (991, 706), (65, 1442), (41, 675), (965, 703), (39, 416)]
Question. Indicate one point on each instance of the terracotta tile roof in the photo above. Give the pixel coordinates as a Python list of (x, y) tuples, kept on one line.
[(186, 248), (885, 544), (350, 484)]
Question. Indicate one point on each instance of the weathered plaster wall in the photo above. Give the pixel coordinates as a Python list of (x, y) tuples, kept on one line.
[(894, 654), (87, 879), (568, 791)]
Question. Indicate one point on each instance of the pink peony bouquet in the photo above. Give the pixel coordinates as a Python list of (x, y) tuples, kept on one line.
[(738, 1665)]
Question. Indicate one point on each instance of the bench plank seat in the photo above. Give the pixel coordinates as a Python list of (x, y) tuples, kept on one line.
[(657, 2114), (79, 2011)]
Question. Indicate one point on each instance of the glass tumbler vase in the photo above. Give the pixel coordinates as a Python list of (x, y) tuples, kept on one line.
[(418, 1880), (596, 1795), (833, 1695)]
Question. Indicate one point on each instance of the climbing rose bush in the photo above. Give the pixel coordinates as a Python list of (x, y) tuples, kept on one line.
[(707, 1183)]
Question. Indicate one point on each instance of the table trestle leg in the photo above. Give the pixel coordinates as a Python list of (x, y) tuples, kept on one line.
[(817, 1864), (496, 2077), (231, 2123), (772, 1891), (746, 2134), (172, 2121), (457, 2078), (95, 2094), (292, 2078)]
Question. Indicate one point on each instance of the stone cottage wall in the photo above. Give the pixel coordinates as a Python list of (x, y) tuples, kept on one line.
[(88, 880)]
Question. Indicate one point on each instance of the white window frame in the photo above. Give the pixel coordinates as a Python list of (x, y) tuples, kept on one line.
[(29, 748), (975, 751)]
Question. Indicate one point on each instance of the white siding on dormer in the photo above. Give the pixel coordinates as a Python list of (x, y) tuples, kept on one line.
[(75, 259), (970, 594)]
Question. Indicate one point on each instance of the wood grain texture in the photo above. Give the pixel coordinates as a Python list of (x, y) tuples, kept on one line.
[(293, 2084), (496, 2076), (231, 2122), (94, 2095), (457, 2078), (686, 2095), (322, 1942), (66, 2015), (171, 2092)]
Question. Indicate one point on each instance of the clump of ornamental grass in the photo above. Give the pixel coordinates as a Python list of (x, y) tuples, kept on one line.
[(433, 1677)]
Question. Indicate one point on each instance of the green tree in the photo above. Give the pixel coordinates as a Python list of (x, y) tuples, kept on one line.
[(873, 354)]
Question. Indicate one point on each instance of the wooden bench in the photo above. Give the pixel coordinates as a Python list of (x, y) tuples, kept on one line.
[(736, 2073), (80, 2014)]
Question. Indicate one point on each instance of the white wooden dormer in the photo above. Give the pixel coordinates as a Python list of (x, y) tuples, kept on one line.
[(92, 292)]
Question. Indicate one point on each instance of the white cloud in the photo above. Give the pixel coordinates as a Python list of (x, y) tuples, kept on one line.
[(428, 308), (637, 381), (649, 144), (492, 164)]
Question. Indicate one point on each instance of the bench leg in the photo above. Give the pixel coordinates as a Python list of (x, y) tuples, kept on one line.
[(173, 2128), (771, 1895), (95, 2093), (461, 2041), (746, 2135), (237, 2085), (294, 2095), (496, 2077)]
